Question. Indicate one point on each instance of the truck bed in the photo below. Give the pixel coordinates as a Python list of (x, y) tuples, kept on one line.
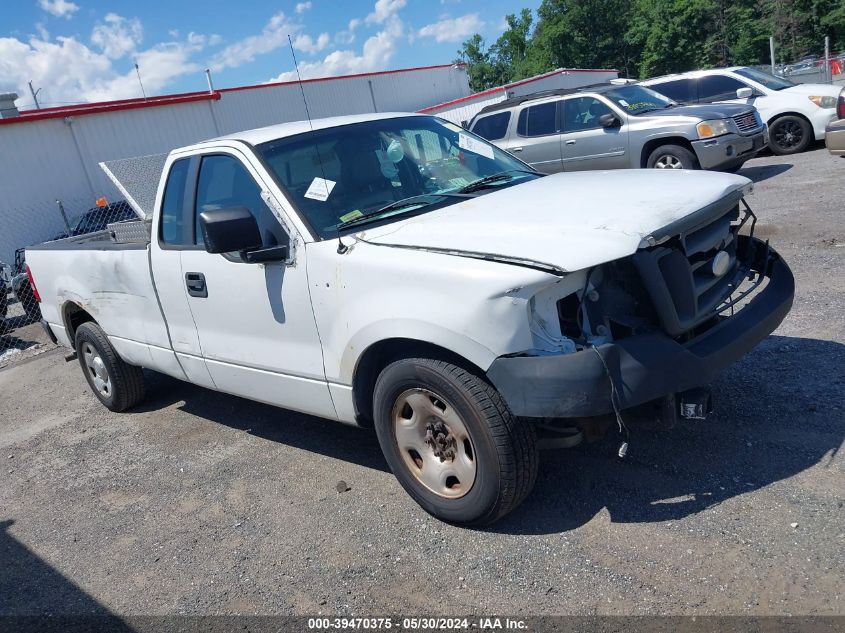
[(109, 280)]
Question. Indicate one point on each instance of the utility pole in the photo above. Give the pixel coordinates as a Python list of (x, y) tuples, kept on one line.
[(35, 95), (138, 72), (772, 52), (828, 76)]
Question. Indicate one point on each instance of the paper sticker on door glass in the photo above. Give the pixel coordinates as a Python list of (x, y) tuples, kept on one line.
[(476, 147), (320, 189)]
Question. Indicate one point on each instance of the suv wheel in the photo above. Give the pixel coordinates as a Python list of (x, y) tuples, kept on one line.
[(672, 157), (452, 442), (789, 135)]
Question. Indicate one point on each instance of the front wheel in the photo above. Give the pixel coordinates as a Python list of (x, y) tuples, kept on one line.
[(672, 157), (789, 135), (116, 384), (452, 442)]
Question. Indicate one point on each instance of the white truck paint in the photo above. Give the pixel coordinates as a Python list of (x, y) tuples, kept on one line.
[(479, 278)]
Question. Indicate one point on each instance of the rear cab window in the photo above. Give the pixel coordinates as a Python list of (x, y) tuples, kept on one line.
[(538, 120), (493, 127), (173, 229)]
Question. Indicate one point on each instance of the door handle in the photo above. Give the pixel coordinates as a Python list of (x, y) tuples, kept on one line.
[(196, 284), (570, 142), (516, 149)]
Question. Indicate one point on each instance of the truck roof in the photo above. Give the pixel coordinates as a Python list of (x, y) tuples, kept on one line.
[(282, 130)]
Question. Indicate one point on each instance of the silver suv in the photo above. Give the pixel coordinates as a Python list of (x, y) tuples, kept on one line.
[(621, 126)]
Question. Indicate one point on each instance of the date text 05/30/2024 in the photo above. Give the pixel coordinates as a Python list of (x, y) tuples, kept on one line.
[(418, 623)]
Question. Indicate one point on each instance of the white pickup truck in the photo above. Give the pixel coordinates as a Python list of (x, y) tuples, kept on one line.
[(396, 271)]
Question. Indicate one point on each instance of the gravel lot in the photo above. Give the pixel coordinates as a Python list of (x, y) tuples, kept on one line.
[(202, 503)]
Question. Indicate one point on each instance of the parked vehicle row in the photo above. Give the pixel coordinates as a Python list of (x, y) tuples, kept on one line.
[(14, 280), (796, 114), (620, 126), (398, 272)]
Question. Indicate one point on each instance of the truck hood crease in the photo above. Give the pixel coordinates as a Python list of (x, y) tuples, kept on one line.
[(563, 222)]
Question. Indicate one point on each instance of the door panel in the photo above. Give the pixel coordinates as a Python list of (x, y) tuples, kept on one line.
[(537, 140), (585, 143), (166, 264), (255, 323)]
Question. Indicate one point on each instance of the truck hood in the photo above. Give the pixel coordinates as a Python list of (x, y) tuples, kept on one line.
[(563, 222)]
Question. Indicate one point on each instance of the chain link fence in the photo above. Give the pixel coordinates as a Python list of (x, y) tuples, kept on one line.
[(21, 334)]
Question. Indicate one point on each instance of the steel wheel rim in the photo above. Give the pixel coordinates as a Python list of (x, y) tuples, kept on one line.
[(434, 443), (789, 134), (96, 369), (668, 162)]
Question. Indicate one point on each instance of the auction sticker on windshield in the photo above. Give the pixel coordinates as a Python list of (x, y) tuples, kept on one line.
[(476, 147), (319, 189)]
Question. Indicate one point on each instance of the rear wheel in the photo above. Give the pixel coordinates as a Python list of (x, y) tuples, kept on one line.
[(672, 157), (789, 135), (452, 442), (116, 384)]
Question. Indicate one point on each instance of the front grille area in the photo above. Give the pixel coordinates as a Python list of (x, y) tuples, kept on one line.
[(691, 275), (746, 122)]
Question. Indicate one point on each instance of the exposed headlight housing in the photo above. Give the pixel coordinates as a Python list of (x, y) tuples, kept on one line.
[(823, 102), (712, 128)]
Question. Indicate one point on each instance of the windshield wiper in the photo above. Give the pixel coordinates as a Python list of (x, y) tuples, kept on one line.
[(475, 185), (413, 201)]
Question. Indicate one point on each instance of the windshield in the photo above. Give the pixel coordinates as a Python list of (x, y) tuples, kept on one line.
[(761, 77), (338, 174), (638, 99)]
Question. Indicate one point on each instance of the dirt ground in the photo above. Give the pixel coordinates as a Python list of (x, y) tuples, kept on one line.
[(202, 503)]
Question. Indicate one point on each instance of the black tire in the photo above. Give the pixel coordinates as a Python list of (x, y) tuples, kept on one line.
[(789, 135), (674, 154), (126, 382), (503, 448)]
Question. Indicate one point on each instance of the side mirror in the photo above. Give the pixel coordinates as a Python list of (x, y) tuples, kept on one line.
[(744, 93), (228, 230), (609, 120)]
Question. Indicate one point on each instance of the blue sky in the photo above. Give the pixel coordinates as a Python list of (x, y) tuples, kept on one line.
[(84, 50)]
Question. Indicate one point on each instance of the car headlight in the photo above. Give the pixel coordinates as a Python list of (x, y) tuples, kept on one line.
[(823, 102), (709, 129)]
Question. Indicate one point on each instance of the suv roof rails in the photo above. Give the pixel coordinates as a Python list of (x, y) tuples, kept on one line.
[(556, 92)]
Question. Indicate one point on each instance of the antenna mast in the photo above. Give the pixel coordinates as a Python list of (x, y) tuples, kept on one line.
[(341, 247)]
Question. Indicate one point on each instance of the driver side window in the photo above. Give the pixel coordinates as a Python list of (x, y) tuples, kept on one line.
[(582, 113), (223, 183)]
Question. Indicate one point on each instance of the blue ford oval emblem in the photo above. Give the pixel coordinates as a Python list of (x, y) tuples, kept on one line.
[(721, 263)]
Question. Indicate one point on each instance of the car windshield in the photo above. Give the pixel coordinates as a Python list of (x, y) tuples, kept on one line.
[(638, 99), (339, 174), (767, 79)]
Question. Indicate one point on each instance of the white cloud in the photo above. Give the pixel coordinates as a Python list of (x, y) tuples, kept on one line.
[(453, 29), (347, 36), (59, 8), (117, 36), (272, 36), (383, 10), (376, 54), (308, 45), (69, 71), (302, 7)]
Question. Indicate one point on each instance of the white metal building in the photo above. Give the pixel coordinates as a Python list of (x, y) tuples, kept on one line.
[(464, 108), (53, 153)]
